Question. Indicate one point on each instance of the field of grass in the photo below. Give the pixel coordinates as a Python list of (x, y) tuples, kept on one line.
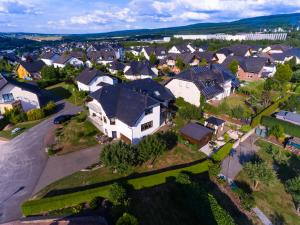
[(273, 200), (6, 134), (75, 135), (38, 206), (177, 156), (68, 92)]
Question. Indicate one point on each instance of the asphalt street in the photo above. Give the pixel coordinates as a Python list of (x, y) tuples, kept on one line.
[(22, 161)]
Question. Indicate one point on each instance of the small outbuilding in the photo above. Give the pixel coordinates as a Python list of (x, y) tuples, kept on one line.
[(196, 134), (215, 123)]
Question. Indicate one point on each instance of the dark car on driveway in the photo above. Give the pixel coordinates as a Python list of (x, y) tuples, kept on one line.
[(62, 118)]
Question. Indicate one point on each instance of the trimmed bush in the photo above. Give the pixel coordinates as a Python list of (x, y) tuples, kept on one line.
[(289, 128), (267, 111), (50, 108), (127, 219), (223, 152), (95, 202), (35, 114)]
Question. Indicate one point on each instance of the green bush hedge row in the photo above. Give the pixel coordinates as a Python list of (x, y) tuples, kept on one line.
[(267, 111), (223, 152), (289, 128), (36, 207)]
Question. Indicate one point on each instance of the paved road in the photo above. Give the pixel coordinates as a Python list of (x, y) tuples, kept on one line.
[(22, 160), (233, 164), (58, 167)]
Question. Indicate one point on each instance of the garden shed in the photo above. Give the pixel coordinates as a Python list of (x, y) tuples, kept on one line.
[(196, 134)]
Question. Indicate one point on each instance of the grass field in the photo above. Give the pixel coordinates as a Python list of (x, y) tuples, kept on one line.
[(68, 92), (273, 200), (75, 135), (80, 179), (6, 134)]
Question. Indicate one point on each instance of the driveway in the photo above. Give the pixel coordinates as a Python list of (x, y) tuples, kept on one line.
[(232, 165), (22, 161)]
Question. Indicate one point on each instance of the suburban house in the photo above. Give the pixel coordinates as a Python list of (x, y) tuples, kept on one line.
[(30, 69), (116, 66), (183, 48), (222, 54), (277, 48), (65, 59), (213, 82), (290, 117), (104, 56), (196, 134), (49, 57), (287, 56), (207, 56), (241, 50), (140, 70), (114, 50), (159, 52), (14, 93), (215, 123), (91, 80), (125, 112)]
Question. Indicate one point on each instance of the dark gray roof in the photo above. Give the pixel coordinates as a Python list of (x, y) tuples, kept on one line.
[(208, 56), (116, 65), (239, 50), (102, 55), (151, 88), (253, 64), (123, 103), (158, 51), (3, 82), (140, 68), (195, 131), (47, 55), (87, 75), (63, 59), (225, 51), (281, 47), (215, 121), (33, 66)]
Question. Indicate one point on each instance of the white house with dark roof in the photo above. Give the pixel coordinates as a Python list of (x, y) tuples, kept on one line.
[(159, 52), (129, 111), (91, 80), (49, 57), (140, 70), (290, 117), (213, 82), (63, 60), (183, 48), (14, 93)]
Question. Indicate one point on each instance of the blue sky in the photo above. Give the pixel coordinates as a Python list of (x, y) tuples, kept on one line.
[(95, 16)]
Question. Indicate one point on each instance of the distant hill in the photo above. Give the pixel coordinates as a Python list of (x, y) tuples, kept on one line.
[(243, 25)]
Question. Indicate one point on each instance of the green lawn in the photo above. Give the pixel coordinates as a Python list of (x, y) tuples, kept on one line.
[(38, 206), (273, 200), (177, 156), (68, 92), (24, 126), (75, 135)]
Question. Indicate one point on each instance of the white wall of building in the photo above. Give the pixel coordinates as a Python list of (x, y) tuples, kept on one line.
[(185, 89), (93, 85)]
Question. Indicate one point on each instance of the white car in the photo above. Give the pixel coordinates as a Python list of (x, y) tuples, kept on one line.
[(16, 130)]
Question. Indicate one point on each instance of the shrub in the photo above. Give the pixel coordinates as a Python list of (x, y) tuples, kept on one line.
[(247, 201), (50, 108), (223, 152), (119, 156), (183, 178), (245, 128), (214, 169), (118, 194), (127, 219), (277, 131), (95, 202), (15, 115), (289, 128), (81, 117), (35, 114)]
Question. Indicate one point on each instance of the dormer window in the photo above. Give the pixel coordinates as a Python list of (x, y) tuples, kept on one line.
[(148, 111), (112, 121)]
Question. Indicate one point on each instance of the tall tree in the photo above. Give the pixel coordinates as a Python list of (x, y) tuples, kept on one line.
[(283, 73), (179, 63), (153, 59), (260, 172), (234, 66)]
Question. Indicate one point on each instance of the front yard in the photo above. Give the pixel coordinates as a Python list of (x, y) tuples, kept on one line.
[(68, 92), (273, 200), (76, 134)]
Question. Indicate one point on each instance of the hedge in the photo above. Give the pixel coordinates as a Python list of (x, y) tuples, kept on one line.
[(223, 152), (267, 111), (40, 206), (289, 128)]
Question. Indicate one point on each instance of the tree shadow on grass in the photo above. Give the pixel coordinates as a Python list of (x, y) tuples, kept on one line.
[(123, 179), (60, 93)]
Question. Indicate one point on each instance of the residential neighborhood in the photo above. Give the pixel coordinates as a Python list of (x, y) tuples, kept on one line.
[(155, 127)]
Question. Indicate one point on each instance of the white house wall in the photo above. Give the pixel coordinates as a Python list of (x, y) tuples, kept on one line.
[(185, 89)]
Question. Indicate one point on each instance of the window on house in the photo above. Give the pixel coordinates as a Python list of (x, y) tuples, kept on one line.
[(8, 97), (112, 121), (148, 111), (104, 118), (146, 126)]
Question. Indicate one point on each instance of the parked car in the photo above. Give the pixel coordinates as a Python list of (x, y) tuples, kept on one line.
[(16, 130), (62, 118)]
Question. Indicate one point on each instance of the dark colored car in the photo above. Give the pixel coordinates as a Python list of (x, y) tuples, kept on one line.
[(62, 118)]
